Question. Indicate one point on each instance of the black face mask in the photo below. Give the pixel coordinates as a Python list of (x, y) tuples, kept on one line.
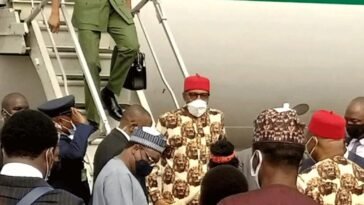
[(56, 168), (143, 168), (355, 131)]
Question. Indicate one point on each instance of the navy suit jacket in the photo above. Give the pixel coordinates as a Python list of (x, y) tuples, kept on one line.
[(68, 174)]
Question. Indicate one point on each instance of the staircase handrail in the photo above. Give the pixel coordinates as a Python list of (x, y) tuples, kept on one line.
[(163, 20), (90, 83), (58, 57), (156, 61)]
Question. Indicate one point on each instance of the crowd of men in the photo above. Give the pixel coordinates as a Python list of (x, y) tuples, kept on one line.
[(186, 159)]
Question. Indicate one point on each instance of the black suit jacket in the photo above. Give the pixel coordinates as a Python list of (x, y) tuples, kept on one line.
[(110, 146), (12, 189)]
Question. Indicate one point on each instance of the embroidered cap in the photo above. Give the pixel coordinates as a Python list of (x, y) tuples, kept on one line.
[(149, 137), (197, 82), (279, 125)]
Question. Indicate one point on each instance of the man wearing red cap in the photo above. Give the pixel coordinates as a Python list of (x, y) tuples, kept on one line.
[(189, 131), (333, 179)]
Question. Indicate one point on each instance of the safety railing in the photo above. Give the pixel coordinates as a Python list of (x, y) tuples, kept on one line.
[(55, 49), (162, 19), (156, 61), (90, 83)]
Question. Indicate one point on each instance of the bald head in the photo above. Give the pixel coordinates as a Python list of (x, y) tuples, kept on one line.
[(12, 103), (135, 116), (354, 113)]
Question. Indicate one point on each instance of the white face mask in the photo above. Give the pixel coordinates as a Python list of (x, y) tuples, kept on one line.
[(7, 112), (197, 107), (255, 172), (70, 131), (48, 166)]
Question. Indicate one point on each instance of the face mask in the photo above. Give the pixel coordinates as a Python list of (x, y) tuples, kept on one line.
[(309, 153), (49, 157), (56, 167), (6, 113), (355, 131), (197, 107), (255, 172), (143, 168), (61, 127)]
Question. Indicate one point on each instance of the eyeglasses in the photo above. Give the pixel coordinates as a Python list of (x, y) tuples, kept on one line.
[(194, 96)]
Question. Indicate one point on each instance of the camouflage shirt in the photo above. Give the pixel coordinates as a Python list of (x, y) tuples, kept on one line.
[(179, 172), (334, 181)]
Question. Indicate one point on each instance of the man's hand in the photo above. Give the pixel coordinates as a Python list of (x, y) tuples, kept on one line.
[(54, 22), (77, 117)]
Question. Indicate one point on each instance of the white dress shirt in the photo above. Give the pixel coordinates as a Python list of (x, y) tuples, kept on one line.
[(125, 134), (20, 170), (360, 149)]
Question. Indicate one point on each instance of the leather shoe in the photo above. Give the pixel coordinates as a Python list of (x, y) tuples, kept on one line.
[(111, 104)]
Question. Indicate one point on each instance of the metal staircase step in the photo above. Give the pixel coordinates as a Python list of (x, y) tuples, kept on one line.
[(72, 66), (64, 38), (76, 87), (12, 33), (62, 27), (78, 77), (71, 49)]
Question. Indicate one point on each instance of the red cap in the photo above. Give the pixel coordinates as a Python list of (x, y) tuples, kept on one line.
[(197, 82), (327, 124)]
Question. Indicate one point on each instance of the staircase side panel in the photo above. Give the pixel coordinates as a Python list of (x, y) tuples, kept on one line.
[(43, 64), (18, 74)]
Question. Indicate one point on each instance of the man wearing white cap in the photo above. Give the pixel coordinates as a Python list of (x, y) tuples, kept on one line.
[(116, 183)]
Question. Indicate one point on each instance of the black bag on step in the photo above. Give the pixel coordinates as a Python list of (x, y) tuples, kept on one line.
[(137, 75)]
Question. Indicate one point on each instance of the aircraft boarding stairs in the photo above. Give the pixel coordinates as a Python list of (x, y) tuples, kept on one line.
[(54, 55), (58, 62)]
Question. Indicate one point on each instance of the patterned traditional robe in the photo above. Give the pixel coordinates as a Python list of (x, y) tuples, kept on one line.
[(335, 181), (178, 174)]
